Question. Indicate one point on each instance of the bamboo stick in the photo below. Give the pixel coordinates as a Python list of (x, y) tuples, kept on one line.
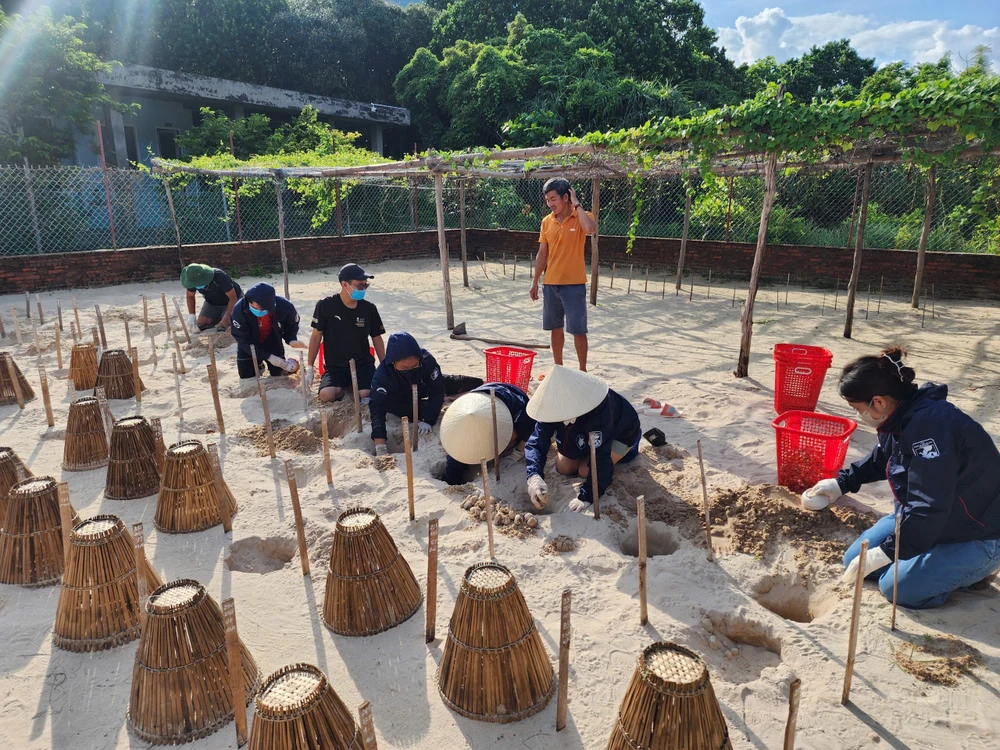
[(166, 315), (357, 398), (304, 387), (793, 713), (237, 692), (184, 325), (895, 568), (489, 506), (788, 284), (213, 380), (180, 355), (100, 327), (211, 351), (496, 435), (225, 513), (59, 358), (300, 531), (59, 314), (177, 384), (76, 314), (881, 283), (41, 317), (44, 381), (415, 425), (145, 314), (27, 306), (432, 572), (708, 292), (663, 288), (136, 381), (139, 544), (704, 499), (612, 276), (106, 415), (65, 516), (595, 486), (17, 326), (855, 611), (326, 445), (641, 531), (409, 468), (628, 290), (367, 726), (263, 401), (564, 639), (646, 289), (160, 452)]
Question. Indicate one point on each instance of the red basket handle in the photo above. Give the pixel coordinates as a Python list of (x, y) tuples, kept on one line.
[(802, 370)]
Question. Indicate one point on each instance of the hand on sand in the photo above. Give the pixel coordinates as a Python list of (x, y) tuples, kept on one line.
[(291, 365), (821, 494), (381, 449), (576, 505), (875, 559), (423, 428), (538, 491)]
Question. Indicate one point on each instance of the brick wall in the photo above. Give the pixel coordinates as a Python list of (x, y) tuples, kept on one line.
[(953, 274)]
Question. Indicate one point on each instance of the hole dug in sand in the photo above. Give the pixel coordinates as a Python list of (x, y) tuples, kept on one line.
[(793, 597), (660, 540), (256, 555), (748, 646), (739, 628)]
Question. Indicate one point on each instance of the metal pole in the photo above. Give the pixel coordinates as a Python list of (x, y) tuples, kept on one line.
[(107, 187)]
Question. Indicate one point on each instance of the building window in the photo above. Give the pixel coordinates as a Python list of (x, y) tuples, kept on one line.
[(131, 144), (166, 143)]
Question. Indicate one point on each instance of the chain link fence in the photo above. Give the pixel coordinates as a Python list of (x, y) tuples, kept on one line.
[(65, 209)]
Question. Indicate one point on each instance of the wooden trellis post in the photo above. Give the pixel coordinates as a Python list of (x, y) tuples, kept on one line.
[(443, 247), (340, 211), (859, 244), (925, 232), (461, 229), (595, 253), (684, 235), (278, 184), (173, 214)]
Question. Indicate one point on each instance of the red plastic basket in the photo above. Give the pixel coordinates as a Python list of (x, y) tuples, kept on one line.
[(799, 372), (508, 364), (811, 447), (322, 358)]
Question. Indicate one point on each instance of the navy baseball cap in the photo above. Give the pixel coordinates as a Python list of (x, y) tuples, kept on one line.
[(354, 272)]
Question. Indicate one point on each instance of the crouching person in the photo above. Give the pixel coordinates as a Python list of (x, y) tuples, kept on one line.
[(267, 322)]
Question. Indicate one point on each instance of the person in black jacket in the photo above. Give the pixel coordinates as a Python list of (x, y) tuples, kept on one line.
[(265, 320), (220, 292), (944, 472), (569, 406)]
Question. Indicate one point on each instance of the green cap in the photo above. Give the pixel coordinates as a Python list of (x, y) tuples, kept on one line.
[(196, 275)]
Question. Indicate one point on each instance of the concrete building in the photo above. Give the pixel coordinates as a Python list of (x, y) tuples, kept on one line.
[(170, 102)]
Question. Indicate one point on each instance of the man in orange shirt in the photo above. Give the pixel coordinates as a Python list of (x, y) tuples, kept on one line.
[(560, 257)]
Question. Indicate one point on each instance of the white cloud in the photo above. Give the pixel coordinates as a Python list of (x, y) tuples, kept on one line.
[(771, 32)]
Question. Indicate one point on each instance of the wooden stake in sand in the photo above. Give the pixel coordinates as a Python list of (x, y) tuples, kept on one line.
[(432, 583), (100, 327), (213, 380), (59, 361), (300, 531), (489, 505), (496, 435), (139, 543), (44, 381), (158, 442), (326, 445), (612, 276), (409, 467), (629, 289), (357, 398), (640, 503), (788, 284), (59, 314), (853, 644), (881, 283), (135, 374), (145, 314), (263, 401), (106, 415), (663, 289), (793, 713), (220, 488), (415, 426), (27, 306), (76, 314), (166, 315), (708, 292), (65, 516), (180, 356), (17, 326), (184, 325), (895, 568), (177, 384), (691, 293), (211, 351), (368, 741), (646, 289), (237, 692), (97, 339), (562, 701), (41, 318), (128, 336), (836, 294), (704, 498), (595, 487)]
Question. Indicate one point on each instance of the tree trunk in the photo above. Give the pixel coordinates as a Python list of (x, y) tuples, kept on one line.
[(924, 234), (595, 254), (859, 245)]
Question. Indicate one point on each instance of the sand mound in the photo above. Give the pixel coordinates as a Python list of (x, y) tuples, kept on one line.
[(290, 438), (937, 659), (200, 339), (559, 545)]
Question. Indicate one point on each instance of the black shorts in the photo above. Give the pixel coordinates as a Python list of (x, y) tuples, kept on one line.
[(340, 377)]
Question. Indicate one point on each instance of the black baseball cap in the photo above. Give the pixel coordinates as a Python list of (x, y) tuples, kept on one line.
[(354, 272)]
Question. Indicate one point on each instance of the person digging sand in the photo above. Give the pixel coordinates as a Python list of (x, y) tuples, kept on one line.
[(219, 291), (944, 472), (467, 427), (568, 406), (265, 320)]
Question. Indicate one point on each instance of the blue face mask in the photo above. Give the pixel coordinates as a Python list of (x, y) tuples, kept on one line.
[(258, 313), (358, 294), (199, 288)]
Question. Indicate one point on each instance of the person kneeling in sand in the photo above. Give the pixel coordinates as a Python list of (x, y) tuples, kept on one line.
[(570, 405), (264, 319), (944, 472), (405, 364), (221, 294), (467, 427)]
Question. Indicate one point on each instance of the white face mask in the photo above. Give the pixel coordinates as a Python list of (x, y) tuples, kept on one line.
[(871, 421)]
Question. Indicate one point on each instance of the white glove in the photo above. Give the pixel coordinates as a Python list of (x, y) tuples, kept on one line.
[(365, 400), (277, 361), (381, 449), (876, 559), (307, 376), (192, 322), (820, 495), (576, 505), (423, 428), (292, 365), (538, 491)]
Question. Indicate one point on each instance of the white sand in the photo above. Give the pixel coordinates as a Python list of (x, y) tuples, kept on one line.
[(674, 350)]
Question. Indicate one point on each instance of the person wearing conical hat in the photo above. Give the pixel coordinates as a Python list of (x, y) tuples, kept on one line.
[(569, 406), (467, 427), (220, 292)]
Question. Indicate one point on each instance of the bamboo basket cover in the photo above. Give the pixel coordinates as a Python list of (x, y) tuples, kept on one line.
[(180, 680), (114, 373), (99, 601), (132, 471), (370, 587), (187, 500), (298, 710), (83, 367), (12, 471), (670, 705), (494, 666), (86, 444), (8, 371), (31, 545)]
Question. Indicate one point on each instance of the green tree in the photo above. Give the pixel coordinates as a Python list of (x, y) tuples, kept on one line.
[(833, 71)]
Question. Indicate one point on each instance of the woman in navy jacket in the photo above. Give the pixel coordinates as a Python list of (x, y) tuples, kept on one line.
[(944, 472)]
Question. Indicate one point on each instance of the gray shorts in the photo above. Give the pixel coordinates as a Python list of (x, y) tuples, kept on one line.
[(213, 312), (565, 302)]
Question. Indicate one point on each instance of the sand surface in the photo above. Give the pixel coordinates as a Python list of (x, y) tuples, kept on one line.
[(777, 602)]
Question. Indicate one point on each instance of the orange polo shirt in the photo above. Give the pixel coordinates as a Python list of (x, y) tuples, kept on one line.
[(566, 241)]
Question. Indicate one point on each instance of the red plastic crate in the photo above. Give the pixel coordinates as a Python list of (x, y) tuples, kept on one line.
[(508, 364), (799, 372), (810, 447)]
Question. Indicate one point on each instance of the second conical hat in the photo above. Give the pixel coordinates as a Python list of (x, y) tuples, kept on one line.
[(566, 394), (467, 428)]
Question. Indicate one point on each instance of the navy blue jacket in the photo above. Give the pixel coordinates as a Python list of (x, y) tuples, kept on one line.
[(614, 419), (516, 402), (391, 391), (246, 329), (943, 468)]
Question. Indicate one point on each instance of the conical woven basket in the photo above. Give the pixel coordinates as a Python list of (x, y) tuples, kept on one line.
[(188, 500), (298, 710), (180, 681), (83, 367), (115, 374), (99, 601), (132, 471), (369, 585), (8, 371), (670, 703), (86, 444), (12, 471), (494, 667), (31, 544)]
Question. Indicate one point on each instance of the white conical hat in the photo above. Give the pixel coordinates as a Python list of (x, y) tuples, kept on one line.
[(566, 394), (467, 428)]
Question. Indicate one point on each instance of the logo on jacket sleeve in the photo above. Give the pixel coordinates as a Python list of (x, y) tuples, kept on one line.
[(236, 323), (926, 449), (581, 440)]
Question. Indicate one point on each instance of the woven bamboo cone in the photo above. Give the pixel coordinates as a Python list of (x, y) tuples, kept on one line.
[(132, 471), (180, 681), (670, 703), (188, 501), (494, 667), (369, 585), (115, 375), (12, 471), (8, 371), (298, 710), (31, 543), (99, 602), (83, 367), (86, 444)]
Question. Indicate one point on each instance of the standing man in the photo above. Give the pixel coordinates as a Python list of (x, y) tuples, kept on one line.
[(344, 323), (560, 257), (218, 289)]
